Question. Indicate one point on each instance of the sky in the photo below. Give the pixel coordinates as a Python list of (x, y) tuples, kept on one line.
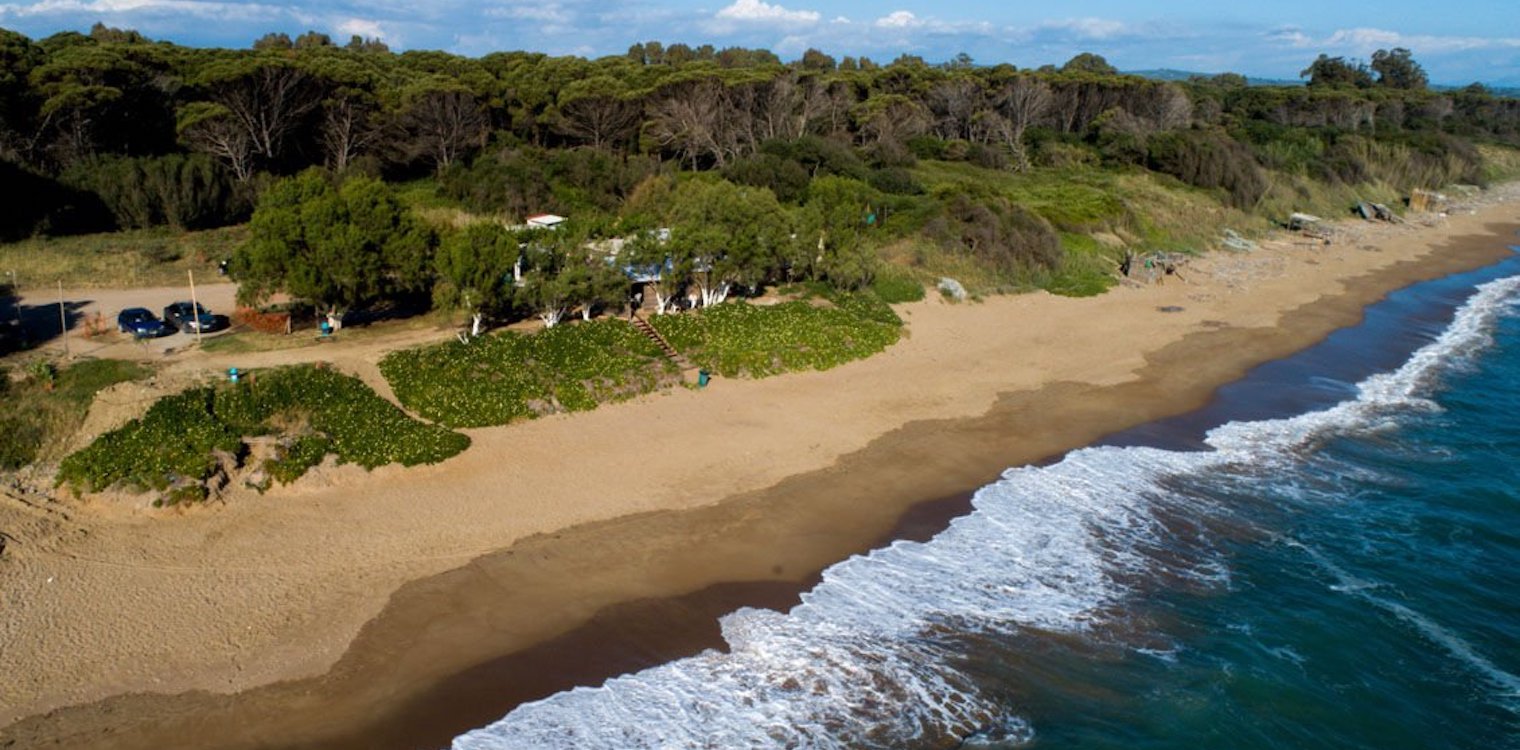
[(1457, 43)]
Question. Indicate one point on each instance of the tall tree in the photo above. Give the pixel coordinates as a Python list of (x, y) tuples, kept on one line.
[(1088, 62), (597, 110), (551, 284), (722, 235), (694, 120), (336, 247), (442, 123), (18, 101), (838, 214), (1397, 69), (1330, 72), (349, 128), (477, 262), (266, 96), (1016, 105)]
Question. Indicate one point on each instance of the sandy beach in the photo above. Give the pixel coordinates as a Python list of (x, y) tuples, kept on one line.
[(327, 613)]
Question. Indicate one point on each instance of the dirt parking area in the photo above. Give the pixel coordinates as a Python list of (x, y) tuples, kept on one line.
[(38, 311)]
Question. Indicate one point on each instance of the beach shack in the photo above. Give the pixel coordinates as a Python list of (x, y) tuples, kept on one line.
[(544, 221)]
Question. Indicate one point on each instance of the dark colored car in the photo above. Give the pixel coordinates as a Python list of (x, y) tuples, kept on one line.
[(140, 323), (188, 318)]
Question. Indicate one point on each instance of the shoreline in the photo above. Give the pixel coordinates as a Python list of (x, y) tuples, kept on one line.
[(437, 626)]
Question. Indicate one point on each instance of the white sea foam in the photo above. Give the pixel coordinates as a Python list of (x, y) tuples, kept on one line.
[(869, 656)]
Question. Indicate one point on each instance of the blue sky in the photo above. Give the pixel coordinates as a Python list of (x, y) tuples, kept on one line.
[(1457, 43)]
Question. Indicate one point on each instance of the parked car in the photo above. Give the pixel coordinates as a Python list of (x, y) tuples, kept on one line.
[(189, 318), (140, 323)]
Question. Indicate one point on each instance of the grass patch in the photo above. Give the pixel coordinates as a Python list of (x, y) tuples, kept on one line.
[(137, 258), (1500, 163), (45, 408), (739, 339), (171, 447), (506, 376), (1074, 200), (895, 285)]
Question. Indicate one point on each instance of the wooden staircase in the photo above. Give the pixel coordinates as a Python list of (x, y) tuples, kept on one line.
[(670, 352)]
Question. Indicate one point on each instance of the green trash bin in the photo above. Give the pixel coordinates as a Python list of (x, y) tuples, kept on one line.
[(702, 378)]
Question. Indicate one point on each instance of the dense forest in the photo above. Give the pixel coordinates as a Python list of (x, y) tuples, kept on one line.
[(759, 169)]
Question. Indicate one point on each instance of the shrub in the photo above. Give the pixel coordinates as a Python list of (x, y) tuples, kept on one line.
[(1005, 237), (1209, 159), (896, 181), (895, 286)]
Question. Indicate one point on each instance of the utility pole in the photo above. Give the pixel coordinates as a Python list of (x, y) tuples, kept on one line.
[(63, 322), (195, 307)]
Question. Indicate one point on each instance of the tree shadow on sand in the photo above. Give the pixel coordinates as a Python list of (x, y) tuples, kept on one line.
[(27, 326)]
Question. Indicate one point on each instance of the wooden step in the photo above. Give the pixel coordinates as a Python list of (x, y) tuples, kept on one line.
[(653, 335)]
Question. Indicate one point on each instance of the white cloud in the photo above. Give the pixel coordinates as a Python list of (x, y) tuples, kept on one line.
[(542, 12), (1088, 28), (1364, 41), (899, 19), (1291, 37), (759, 11), (363, 27), (1364, 38)]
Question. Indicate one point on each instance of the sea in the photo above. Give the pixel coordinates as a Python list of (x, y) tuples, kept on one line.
[(1326, 556)]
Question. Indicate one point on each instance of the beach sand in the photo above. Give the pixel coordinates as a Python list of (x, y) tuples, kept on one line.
[(397, 607)]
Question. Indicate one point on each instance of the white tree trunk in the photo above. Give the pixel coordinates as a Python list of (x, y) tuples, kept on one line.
[(715, 296), (660, 302), (552, 316), (586, 311), (475, 321)]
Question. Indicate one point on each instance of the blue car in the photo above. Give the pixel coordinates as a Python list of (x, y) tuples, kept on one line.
[(189, 318), (140, 323)]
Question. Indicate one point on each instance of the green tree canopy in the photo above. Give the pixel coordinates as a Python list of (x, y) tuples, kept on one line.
[(722, 234), (1330, 71), (477, 264), (838, 214), (1397, 69), (1088, 62), (337, 247)]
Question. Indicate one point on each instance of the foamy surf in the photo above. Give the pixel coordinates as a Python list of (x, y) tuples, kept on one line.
[(870, 657)]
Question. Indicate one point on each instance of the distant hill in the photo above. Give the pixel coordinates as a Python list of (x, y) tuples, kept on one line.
[(1169, 74)]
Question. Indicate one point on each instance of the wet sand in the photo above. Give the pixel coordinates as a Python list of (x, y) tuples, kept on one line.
[(456, 649)]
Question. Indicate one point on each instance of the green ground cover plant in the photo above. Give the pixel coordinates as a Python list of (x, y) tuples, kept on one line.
[(740, 339), (321, 411), (505, 376)]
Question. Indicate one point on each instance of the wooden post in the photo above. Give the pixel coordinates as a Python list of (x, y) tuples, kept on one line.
[(195, 307), (63, 322), (16, 298)]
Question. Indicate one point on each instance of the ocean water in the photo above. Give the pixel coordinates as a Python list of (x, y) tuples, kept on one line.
[(1336, 564)]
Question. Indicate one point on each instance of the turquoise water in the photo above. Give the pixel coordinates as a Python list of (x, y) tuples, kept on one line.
[(1327, 556), (1371, 604)]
